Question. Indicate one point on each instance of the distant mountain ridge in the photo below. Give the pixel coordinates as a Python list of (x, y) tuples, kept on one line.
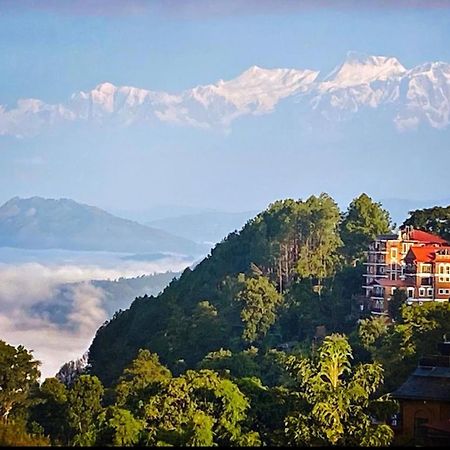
[(204, 227), (40, 223), (409, 97)]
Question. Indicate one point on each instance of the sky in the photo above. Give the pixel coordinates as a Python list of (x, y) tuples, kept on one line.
[(51, 49)]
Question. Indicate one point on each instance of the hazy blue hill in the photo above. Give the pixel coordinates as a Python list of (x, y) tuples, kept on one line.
[(208, 226), (40, 223)]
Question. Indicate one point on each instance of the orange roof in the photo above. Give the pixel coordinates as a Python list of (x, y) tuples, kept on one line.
[(424, 253), (424, 236)]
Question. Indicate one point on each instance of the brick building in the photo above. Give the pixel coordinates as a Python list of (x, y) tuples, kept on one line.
[(424, 398), (413, 260)]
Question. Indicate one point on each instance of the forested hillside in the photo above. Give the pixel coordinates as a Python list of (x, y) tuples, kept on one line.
[(291, 269), (259, 344)]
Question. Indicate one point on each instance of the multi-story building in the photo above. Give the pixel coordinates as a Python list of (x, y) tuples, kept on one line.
[(407, 260), (427, 273)]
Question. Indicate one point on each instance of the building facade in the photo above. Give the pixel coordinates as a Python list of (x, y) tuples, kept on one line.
[(413, 260), (424, 399)]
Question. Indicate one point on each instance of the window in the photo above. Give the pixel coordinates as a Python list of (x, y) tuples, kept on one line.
[(381, 269), (421, 292), (447, 269), (393, 276), (430, 292), (393, 290), (441, 268), (410, 292), (393, 253), (441, 291)]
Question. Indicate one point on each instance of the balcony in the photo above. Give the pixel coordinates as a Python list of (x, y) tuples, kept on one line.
[(376, 260), (378, 311), (420, 300)]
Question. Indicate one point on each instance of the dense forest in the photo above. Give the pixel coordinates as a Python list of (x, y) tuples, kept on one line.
[(262, 343)]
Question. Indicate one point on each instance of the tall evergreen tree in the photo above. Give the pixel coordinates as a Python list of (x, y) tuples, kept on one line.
[(84, 406), (260, 301), (361, 223)]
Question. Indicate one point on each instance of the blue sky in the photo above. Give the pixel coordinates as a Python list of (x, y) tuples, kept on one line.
[(50, 49), (49, 53)]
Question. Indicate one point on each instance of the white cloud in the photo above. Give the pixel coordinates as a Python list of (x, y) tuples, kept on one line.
[(24, 285)]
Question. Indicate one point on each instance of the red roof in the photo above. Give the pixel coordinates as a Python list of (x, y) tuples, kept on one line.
[(423, 236), (425, 253)]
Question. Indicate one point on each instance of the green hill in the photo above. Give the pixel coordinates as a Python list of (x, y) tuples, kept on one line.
[(284, 274)]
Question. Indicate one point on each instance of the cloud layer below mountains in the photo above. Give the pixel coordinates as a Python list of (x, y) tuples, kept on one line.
[(25, 285)]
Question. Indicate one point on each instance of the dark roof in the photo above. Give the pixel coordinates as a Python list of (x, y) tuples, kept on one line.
[(439, 425), (388, 282), (426, 383), (388, 237)]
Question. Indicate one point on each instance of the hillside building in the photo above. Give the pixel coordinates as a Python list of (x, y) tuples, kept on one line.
[(413, 260), (424, 398)]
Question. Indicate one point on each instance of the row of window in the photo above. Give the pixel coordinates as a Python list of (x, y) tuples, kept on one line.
[(381, 270), (429, 292), (444, 268)]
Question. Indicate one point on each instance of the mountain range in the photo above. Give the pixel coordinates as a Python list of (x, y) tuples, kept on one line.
[(40, 223), (409, 97)]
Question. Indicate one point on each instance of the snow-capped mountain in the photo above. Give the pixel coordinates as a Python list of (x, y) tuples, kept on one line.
[(425, 91), (255, 91), (409, 96), (361, 81)]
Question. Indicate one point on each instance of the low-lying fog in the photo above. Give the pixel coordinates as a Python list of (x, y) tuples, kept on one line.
[(49, 303)]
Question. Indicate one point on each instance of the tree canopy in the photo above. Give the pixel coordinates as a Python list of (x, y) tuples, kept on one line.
[(361, 223), (335, 399), (19, 374), (435, 220)]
